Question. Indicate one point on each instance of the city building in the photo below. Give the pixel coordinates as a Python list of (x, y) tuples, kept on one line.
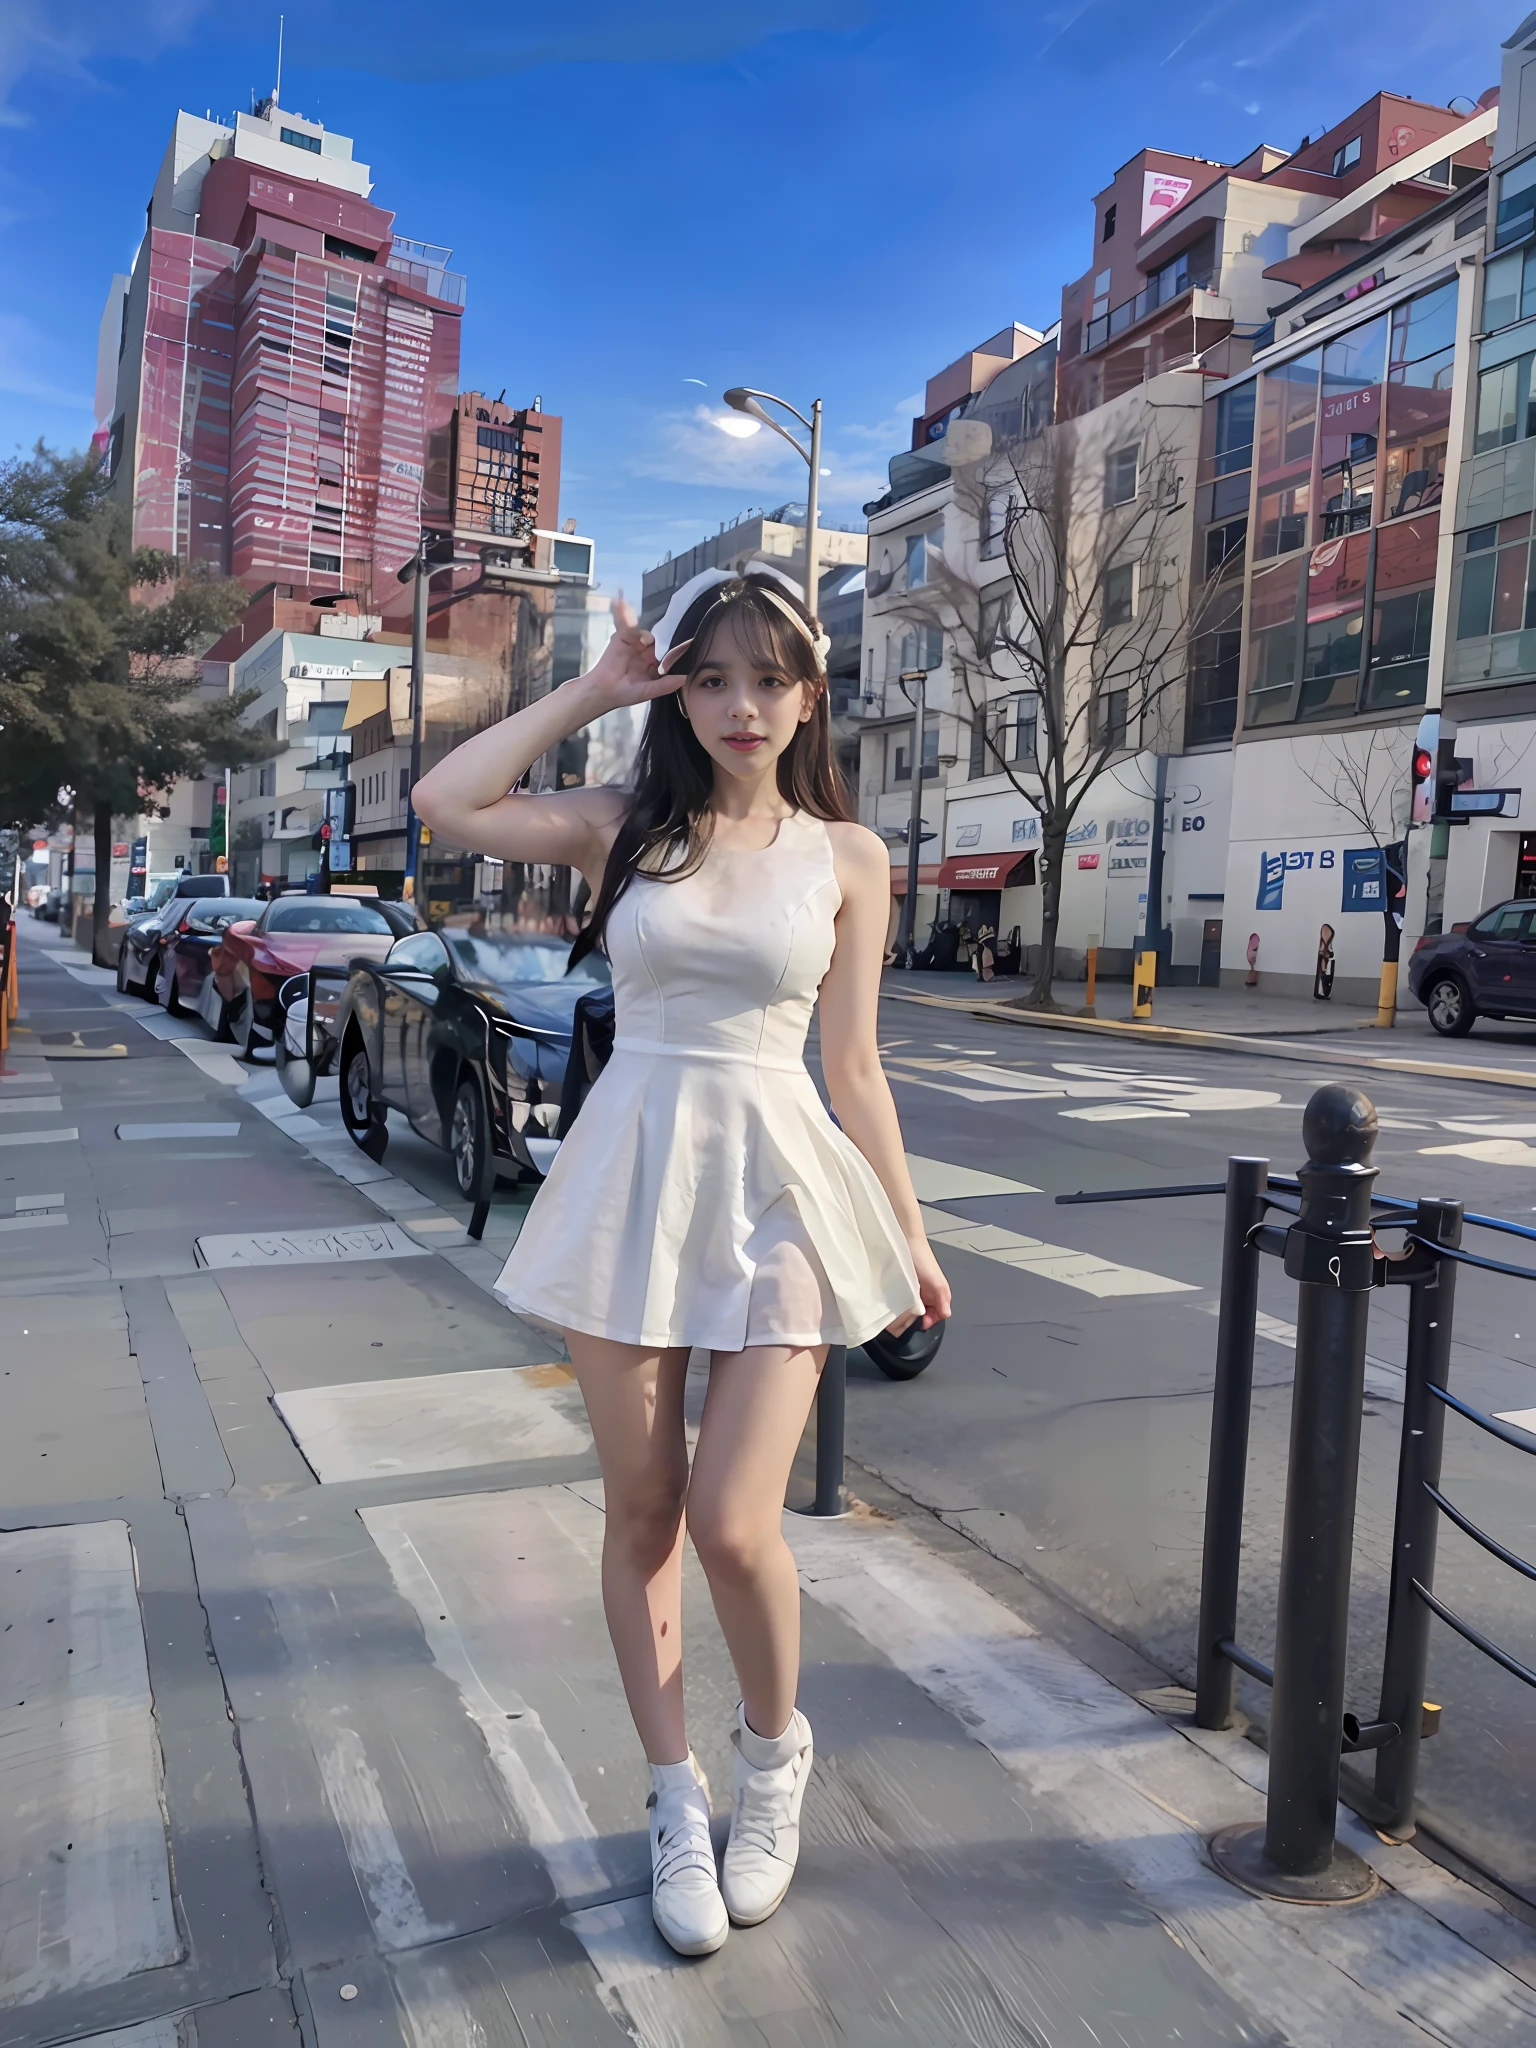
[(285, 359)]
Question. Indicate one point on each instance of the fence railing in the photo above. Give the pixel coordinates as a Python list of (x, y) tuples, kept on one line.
[(1331, 1250)]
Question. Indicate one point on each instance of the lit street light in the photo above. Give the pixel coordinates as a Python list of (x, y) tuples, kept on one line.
[(744, 400)]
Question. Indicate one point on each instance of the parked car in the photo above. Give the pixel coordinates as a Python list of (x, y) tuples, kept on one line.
[(292, 934), (180, 978), (48, 909), (138, 952), (1488, 969)]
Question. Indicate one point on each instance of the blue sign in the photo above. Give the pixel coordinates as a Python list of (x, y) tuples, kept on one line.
[(1363, 880), (1271, 881)]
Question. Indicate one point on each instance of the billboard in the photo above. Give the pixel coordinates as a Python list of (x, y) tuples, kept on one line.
[(1160, 194)]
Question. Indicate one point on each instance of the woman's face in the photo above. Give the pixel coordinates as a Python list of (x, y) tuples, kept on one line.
[(743, 715)]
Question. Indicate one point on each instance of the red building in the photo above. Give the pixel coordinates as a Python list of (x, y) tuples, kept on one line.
[(286, 360)]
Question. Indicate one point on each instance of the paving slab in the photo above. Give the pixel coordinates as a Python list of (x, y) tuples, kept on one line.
[(85, 1881), (443, 1422)]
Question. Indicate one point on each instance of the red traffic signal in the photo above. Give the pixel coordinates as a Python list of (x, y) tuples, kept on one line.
[(1423, 765)]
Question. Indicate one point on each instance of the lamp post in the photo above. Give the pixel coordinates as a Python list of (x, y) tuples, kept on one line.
[(417, 572), (906, 937), (741, 398)]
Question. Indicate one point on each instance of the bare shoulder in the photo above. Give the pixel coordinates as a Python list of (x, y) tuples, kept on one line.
[(860, 857)]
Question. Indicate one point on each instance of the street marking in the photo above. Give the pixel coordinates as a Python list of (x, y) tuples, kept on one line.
[(1487, 1127), (1518, 1418), (37, 1219), (60, 1137), (79, 1764), (1119, 1113), (138, 1134), (437, 1422), (39, 1202), (1381, 1376), (1082, 1270), (356, 1798), (36, 1105), (1486, 1151), (216, 1062), (352, 1243), (83, 1052), (936, 1180)]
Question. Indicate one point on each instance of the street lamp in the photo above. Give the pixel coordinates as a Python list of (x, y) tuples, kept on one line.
[(741, 398), (906, 937)]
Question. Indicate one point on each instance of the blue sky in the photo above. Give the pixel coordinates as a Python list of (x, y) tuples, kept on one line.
[(654, 201)]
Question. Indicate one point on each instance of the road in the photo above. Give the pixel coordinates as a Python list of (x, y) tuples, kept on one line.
[(1069, 1428), (330, 1670)]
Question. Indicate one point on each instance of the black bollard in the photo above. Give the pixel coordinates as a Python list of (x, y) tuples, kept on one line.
[(831, 1404), (1228, 1470), (1329, 1250)]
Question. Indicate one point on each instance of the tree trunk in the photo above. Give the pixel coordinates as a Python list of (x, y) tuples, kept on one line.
[(1053, 849), (101, 908)]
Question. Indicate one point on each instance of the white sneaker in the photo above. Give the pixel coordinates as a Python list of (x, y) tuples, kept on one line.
[(685, 1886), (771, 1778)]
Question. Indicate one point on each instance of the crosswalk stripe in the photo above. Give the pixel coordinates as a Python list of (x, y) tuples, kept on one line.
[(1085, 1271)]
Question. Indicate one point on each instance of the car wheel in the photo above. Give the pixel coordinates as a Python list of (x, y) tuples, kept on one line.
[(1451, 1010), (904, 1357), (469, 1143), (364, 1118)]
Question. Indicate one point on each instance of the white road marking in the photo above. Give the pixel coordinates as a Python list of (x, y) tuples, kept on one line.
[(59, 1137), (39, 1202), (217, 1062), (31, 1105), (79, 1764), (352, 1242), (1082, 1270), (356, 1798), (1119, 1113), (1486, 1151), (437, 1422), (1518, 1418), (39, 1219), (138, 1134), (935, 1180), (1099, 1768), (1487, 1127)]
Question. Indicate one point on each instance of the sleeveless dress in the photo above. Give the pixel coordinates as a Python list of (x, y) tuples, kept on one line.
[(704, 1196)]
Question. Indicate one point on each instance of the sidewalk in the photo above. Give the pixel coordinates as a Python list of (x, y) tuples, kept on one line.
[(320, 1736)]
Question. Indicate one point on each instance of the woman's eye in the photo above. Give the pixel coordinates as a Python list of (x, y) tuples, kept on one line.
[(772, 682)]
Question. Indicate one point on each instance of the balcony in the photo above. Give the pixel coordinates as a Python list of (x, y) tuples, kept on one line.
[(420, 266), (1152, 298)]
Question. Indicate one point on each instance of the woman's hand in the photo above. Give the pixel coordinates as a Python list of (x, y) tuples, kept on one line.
[(626, 671), (931, 1285)]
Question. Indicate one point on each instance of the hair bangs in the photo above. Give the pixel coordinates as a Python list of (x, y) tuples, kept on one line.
[(765, 636)]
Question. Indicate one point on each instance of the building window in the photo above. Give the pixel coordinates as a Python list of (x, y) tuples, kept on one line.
[(1024, 719), (1109, 221), (979, 763), (1496, 586), (994, 623), (329, 565), (351, 252), (1224, 546), (1398, 675), (300, 140), (1332, 648), (1120, 594), (1420, 372), (921, 648), (405, 784), (1516, 217), (1120, 475), (1287, 432), (918, 565), (1504, 409), (1234, 429), (1113, 707), (1346, 156)]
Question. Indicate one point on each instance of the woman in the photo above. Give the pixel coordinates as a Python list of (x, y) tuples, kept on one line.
[(704, 1197)]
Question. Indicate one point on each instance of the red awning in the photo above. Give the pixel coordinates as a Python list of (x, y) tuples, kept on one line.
[(927, 878), (987, 871)]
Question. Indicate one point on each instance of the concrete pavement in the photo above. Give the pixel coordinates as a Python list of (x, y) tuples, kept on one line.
[(320, 1523)]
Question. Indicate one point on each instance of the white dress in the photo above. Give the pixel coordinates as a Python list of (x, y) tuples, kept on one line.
[(704, 1196)]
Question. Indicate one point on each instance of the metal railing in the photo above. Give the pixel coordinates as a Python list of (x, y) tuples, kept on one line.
[(1330, 1249)]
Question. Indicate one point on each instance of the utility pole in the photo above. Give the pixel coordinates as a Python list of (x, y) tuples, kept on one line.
[(812, 496), (906, 940), (419, 592)]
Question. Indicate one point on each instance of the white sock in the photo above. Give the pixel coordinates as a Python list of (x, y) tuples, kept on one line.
[(771, 1754), (674, 1777)]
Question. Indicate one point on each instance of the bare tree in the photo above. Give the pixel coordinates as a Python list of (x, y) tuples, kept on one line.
[(1087, 635), (1364, 777)]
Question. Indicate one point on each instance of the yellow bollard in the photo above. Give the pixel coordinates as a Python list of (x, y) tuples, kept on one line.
[(1093, 981), (1142, 985)]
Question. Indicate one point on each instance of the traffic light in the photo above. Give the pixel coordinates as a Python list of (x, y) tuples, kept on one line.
[(1448, 776), (1422, 783)]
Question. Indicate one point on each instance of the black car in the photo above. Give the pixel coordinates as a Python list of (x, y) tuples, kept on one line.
[(1488, 969), (180, 977), (138, 953), (468, 1033)]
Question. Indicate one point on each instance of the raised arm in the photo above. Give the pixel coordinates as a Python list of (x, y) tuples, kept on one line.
[(470, 796), (850, 1048)]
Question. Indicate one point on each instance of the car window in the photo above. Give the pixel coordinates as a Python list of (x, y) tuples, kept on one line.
[(203, 885), (1508, 922), (162, 894), (213, 917), (326, 914), (424, 952), (511, 960)]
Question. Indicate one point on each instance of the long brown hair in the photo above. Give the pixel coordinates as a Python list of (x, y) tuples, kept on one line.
[(667, 828)]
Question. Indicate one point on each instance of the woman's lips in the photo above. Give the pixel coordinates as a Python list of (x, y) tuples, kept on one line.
[(744, 742)]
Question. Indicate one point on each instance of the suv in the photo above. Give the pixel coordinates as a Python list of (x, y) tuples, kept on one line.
[(138, 953), (1487, 969)]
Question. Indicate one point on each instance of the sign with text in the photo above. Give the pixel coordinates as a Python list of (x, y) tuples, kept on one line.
[(1160, 194), (1362, 879)]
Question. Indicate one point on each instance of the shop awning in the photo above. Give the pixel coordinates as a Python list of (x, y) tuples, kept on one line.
[(927, 878), (987, 871)]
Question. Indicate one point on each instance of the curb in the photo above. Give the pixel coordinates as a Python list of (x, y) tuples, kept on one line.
[(1219, 1041)]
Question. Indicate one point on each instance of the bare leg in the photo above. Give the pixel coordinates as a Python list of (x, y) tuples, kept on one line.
[(754, 1413), (634, 1402)]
